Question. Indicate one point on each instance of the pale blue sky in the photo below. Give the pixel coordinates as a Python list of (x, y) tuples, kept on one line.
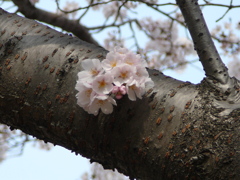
[(37, 164), (59, 163)]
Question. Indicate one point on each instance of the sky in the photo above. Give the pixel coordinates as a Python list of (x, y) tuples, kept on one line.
[(59, 163), (37, 164)]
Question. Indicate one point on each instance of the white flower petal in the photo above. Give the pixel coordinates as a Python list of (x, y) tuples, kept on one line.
[(107, 107), (92, 68), (88, 64), (85, 94), (94, 107), (102, 102), (112, 101), (131, 94), (102, 84), (123, 74), (112, 60)]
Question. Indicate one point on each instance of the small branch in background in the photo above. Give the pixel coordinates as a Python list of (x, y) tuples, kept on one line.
[(29, 11), (100, 28), (134, 36), (219, 5), (166, 14), (229, 8), (213, 66)]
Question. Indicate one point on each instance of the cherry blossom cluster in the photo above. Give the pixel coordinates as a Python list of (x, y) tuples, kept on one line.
[(165, 49), (116, 9), (101, 83), (227, 36), (234, 67), (113, 39)]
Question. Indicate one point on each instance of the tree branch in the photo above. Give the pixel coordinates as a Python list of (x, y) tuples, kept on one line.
[(213, 66), (220, 5), (29, 11), (39, 69), (174, 132)]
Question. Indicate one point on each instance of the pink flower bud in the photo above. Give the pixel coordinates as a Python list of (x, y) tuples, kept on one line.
[(123, 90), (118, 96), (115, 89)]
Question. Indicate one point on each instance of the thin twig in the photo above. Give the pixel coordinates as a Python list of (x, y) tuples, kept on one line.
[(229, 8)]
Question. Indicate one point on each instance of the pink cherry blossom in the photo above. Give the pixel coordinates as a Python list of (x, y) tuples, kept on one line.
[(92, 68), (85, 94), (112, 40), (120, 50), (141, 72), (135, 89), (234, 67), (102, 84), (132, 59), (103, 102), (123, 74), (112, 60)]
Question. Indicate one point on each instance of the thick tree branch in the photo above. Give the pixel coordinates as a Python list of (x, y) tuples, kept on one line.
[(213, 66), (29, 11), (174, 132)]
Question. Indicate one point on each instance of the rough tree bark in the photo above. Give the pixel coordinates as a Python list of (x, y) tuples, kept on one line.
[(177, 131)]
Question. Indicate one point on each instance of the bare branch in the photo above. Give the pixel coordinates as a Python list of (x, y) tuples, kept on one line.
[(209, 57), (229, 8), (26, 8), (166, 14), (219, 5), (81, 8), (113, 25)]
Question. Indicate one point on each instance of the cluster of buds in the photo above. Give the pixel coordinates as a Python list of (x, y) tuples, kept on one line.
[(102, 82)]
